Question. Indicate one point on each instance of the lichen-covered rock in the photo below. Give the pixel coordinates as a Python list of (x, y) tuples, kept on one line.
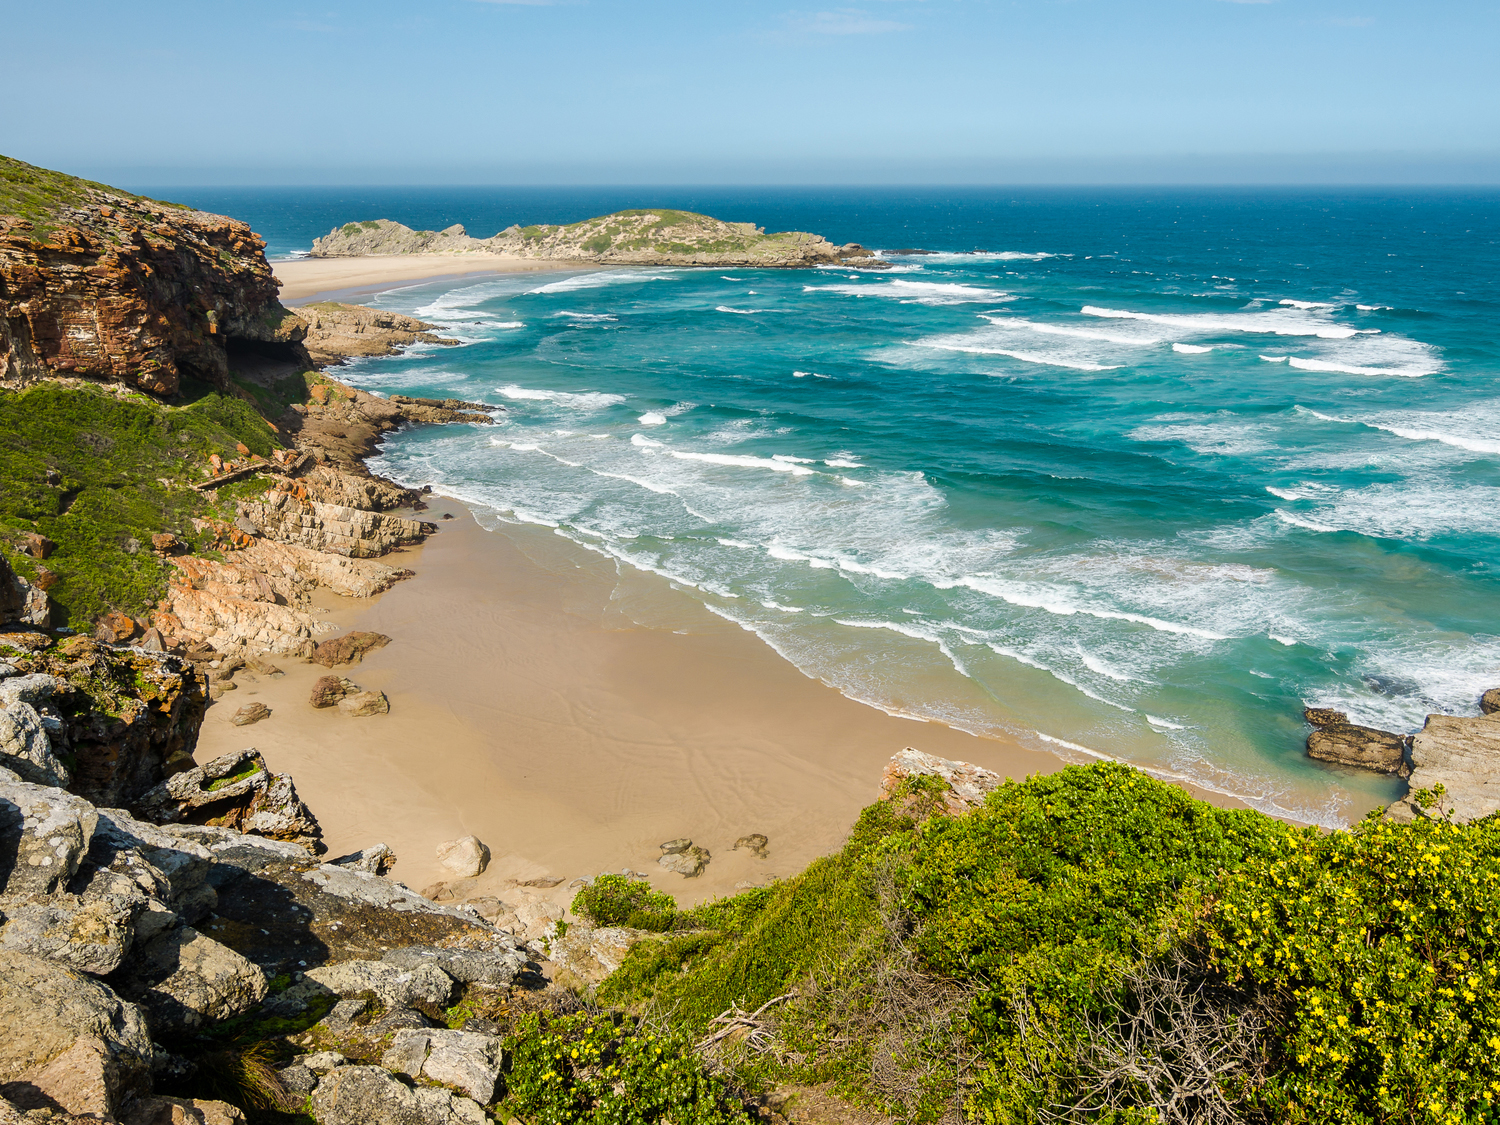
[(123, 716), (182, 1111), (237, 791), (466, 1059), (83, 1080), (684, 857), (363, 703), (184, 979), (368, 1095), (377, 859), (44, 834), (91, 934), (396, 987), (591, 954), (967, 785), (756, 842), (496, 967), (465, 857), (26, 749), (45, 1007)]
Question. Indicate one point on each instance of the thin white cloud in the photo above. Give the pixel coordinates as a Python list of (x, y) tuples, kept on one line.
[(846, 21)]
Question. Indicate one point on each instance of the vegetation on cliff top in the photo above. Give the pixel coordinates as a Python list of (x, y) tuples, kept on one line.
[(1098, 946), (38, 194), (99, 473)]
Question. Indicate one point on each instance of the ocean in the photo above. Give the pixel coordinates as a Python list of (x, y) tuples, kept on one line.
[(1125, 472)]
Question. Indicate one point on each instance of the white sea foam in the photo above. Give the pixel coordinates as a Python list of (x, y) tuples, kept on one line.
[(975, 347), (1267, 322), (644, 442), (726, 277), (1165, 724), (1275, 358), (1372, 308), (1299, 521), (1094, 664), (842, 463), (596, 280), (586, 317), (652, 418), (1190, 349), (1348, 369), (916, 292), (742, 312), (1284, 494), (573, 400), (743, 461), (1307, 304)]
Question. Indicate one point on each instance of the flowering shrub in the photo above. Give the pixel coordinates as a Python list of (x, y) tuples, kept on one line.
[(1381, 943), (609, 1070)]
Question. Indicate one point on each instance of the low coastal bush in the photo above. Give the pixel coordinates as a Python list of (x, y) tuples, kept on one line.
[(618, 900), (609, 1069), (1096, 945)]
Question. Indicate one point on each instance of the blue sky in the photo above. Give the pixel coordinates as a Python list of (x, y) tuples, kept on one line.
[(873, 91)]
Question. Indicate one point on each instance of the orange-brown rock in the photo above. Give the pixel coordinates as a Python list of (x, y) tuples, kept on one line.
[(336, 331), (100, 283), (115, 628), (348, 649)]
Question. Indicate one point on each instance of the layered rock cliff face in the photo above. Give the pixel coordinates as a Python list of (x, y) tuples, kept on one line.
[(104, 284), (656, 237)]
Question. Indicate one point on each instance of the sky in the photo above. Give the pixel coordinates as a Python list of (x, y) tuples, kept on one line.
[(170, 92)]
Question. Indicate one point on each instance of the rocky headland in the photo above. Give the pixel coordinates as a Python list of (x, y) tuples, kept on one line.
[(641, 238)]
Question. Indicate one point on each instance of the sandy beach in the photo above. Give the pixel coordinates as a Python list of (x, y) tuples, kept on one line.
[(306, 278), (528, 708)]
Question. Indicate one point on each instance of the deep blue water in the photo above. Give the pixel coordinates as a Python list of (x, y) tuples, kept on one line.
[(1145, 476)]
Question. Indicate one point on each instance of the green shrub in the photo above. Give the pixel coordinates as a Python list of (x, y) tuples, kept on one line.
[(611, 1070), (618, 900), (1381, 942)]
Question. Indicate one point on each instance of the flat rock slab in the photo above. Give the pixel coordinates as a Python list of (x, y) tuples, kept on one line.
[(1365, 747)]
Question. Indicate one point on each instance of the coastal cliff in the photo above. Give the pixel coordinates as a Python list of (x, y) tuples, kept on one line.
[(100, 283), (644, 238)]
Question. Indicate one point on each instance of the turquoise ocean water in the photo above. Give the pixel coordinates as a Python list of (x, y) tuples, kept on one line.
[(1132, 472)]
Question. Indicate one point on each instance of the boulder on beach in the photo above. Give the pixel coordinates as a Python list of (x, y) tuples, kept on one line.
[(348, 649), (1347, 744), (330, 689), (1489, 702), (756, 842), (464, 857), (365, 703), (684, 857), (250, 713)]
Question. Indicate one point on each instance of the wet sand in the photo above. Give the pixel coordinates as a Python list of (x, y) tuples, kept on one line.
[(530, 709), (304, 279)]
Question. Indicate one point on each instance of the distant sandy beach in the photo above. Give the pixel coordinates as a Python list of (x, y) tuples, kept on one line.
[(528, 709), (304, 278)]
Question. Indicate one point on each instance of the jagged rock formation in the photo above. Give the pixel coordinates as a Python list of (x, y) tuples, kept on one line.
[(964, 786), (657, 237), (121, 718), (336, 332), (101, 283)]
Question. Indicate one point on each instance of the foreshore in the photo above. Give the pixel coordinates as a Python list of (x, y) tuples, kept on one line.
[(528, 710), (343, 278)]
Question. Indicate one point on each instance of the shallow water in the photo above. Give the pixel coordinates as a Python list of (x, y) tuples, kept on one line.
[(1143, 477)]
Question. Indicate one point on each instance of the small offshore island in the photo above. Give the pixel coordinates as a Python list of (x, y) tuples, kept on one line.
[(183, 494)]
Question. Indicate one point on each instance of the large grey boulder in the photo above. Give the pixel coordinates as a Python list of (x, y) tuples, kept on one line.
[(46, 1006), (465, 1059), (91, 934), (84, 1079), (184, 979), (590, 954), (151, 855), (465, 857), (238, 791), (44, 833), (369, 1095), (496, 967), (396, 987), (26, 749)]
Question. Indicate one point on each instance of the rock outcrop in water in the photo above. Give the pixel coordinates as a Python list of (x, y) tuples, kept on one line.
[(656, 237)]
